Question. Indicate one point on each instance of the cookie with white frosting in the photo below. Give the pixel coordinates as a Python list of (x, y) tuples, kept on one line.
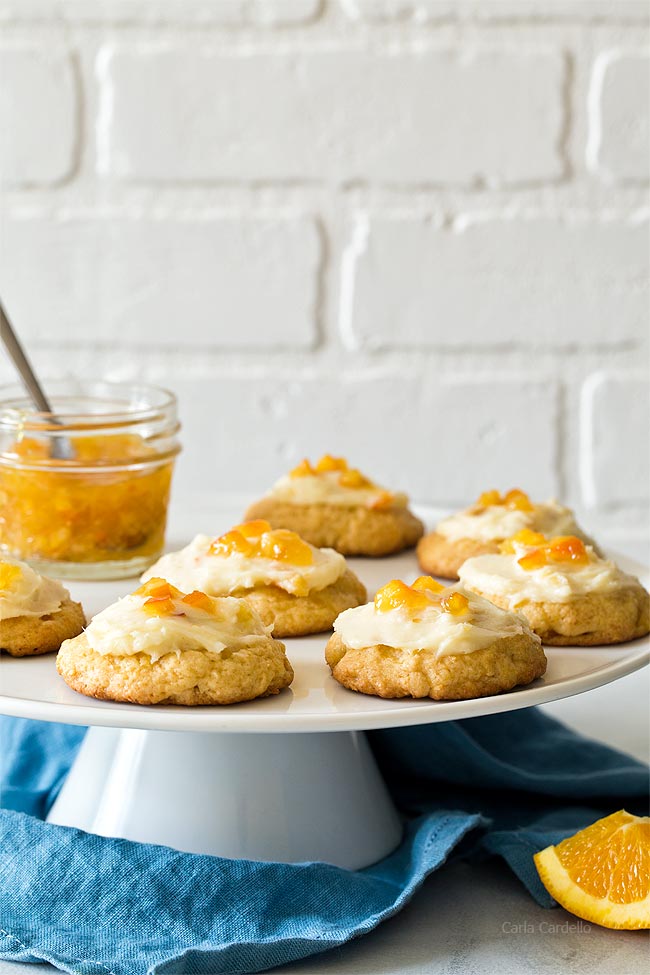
[(479, 529), (427, 640), (295, 587), (36, 613), (568, 593), (332, 505), (162, 646)]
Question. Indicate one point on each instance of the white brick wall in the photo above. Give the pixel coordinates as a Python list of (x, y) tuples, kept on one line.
[(615, 439), (411, 231), (486, 280), (38, 115), (508, 426), (179, 114), (207, 281), (620, 127)]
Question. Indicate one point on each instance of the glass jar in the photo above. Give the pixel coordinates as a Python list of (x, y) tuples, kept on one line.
[(84, 489)]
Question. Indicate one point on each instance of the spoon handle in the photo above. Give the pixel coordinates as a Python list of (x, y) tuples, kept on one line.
[(22, 364), (61, 447)]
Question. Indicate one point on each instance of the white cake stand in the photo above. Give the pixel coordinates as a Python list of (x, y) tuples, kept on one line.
[(289, 778)]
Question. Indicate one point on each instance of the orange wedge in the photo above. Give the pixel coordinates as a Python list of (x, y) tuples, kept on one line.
[(602, 874)]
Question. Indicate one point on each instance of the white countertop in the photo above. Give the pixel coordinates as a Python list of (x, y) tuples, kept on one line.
[(479, 919)]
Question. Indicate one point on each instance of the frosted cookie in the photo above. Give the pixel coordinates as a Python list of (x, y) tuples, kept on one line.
[(296, 588), (332, 505), (36, 613), (568, 594), (160, 646), (479, 529), (427, 640)]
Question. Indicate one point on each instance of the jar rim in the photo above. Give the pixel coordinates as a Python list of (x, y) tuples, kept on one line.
[(16, 407)]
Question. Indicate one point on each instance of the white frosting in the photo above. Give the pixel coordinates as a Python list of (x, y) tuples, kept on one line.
[(324, 488), (30, 594), (124, 628), (557, 582), (497, 522), (193, 567), (430, 629)]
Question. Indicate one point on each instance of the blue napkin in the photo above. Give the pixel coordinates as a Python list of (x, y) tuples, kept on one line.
[(508, 784)]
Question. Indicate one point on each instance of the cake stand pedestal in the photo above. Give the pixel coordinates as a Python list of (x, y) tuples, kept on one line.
[(261, 797)]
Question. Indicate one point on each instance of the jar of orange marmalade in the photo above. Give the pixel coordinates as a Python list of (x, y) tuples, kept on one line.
[(84, 489)]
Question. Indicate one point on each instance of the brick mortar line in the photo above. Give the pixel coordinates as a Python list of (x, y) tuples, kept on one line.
[(557, 362), (347, 34), (24, 204)]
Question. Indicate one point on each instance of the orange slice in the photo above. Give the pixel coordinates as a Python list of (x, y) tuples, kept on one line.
[(602, 874)]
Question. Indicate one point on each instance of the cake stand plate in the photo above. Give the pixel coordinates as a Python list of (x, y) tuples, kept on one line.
[(288, 778)]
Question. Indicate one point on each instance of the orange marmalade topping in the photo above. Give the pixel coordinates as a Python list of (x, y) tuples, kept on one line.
[(455, 603), (253, 529), (397, 595), (422, 594), (514, 499), (533, 560), (107, 504), (567, 548), (8, 575), (524, 537), (562, 548), (354, 479), (349, 477), (163, 599), (303, 469), (256, 539), (427, 584), (329, 463)]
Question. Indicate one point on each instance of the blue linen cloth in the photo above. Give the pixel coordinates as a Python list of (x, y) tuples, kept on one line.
[(508, 784)]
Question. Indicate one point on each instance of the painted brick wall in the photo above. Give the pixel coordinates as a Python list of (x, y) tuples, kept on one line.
[(411, 231)]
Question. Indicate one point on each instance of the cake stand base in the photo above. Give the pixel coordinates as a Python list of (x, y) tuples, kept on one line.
[(283, 797)]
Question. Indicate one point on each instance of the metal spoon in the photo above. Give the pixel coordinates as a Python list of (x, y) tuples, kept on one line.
[(61, 446)]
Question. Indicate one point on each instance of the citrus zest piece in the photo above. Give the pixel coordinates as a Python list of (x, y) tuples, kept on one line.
[(328, 463), (285, 546), (528, 537), (427, 584), (515, 499), (602, 873), (159, 606), (489, 498), (384, 499), (397, 595), (523, 537), (303, 469), (157, 588), (562, 548), (9, 574), (256, 540), (253, 529), (300, 586), (232, 541), (533, 560), (567, 548), (353, 478), (518, 500), (160, 597), (199, 600), (454, 603)]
